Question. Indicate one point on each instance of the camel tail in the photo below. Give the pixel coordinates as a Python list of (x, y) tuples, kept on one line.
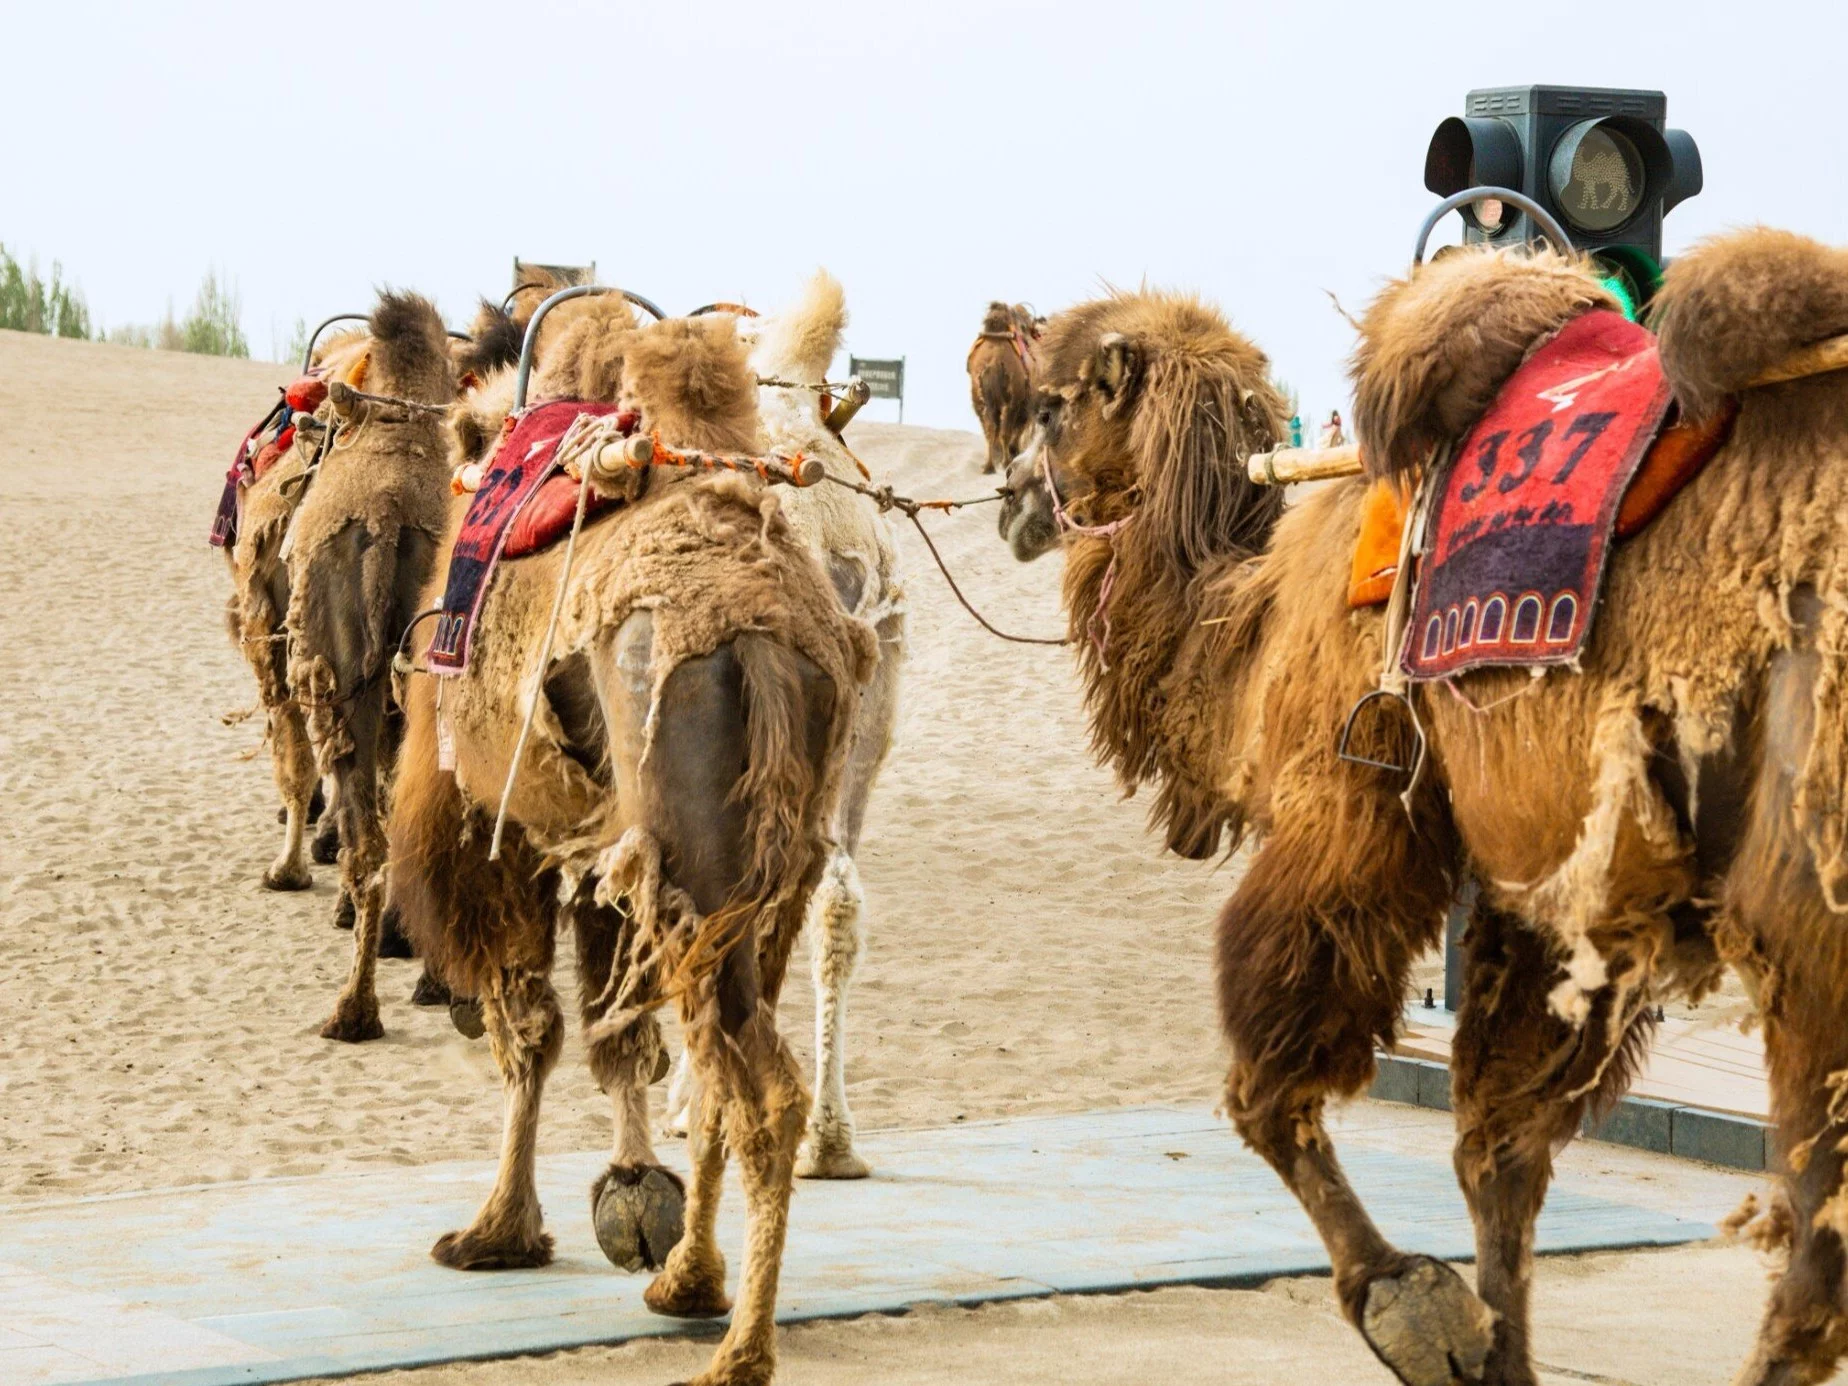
[(783, 788), (800, 342), (410, 348), (1738, 304)]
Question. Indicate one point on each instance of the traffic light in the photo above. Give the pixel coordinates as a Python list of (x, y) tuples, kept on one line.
[(1601, 160)]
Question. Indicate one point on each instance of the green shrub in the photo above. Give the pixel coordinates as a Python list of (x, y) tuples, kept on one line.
[(29, 304)]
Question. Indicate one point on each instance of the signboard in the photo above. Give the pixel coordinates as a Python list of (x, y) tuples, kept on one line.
[(886, 379), (563, 274)]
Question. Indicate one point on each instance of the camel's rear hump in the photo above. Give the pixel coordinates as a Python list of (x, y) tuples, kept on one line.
[(1738, 304)]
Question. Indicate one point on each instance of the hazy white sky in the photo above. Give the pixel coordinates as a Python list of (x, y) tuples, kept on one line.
[(933, 155)]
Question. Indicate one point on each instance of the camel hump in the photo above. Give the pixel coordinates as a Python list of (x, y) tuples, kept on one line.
[(799, 343), (1739, 303), (1436, 346), (410, 348)]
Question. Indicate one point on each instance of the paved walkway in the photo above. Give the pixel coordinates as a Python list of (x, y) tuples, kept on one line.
[(281, 1279)]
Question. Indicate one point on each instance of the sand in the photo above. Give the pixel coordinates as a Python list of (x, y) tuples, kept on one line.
[(1029, 947)]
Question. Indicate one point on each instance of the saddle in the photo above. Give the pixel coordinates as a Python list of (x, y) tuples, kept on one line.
[(1580, 448), (253, 458)]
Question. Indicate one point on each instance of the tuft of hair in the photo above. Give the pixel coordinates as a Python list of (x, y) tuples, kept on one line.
[(692, 379), (494, 341), (410, 349), (1436, 346), (800, 342), (1737, 304), (998, 318), (579, 354)]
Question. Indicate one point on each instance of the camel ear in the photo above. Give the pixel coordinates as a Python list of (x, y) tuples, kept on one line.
[(1116, 371)]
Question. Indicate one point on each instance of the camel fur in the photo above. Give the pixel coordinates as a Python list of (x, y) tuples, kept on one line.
[(673, 809), (361, 548), (1000, 381), (1672, 805)]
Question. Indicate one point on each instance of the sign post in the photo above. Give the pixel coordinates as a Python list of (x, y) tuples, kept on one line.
[(886, 379)]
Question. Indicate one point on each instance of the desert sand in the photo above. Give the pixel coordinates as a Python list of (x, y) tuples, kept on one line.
[(1029, 946)]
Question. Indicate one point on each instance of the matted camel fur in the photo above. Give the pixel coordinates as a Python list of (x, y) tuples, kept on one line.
[(1673, 805), (673, 810)]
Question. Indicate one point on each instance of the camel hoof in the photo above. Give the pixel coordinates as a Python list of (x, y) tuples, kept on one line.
[(465, 1015), (468, 1250), (639, 1213), (1426, 1325), (694, 1298), (325, 847), (430, 992), (354, 1028), (344, 914), (280, 877), (831, 1162)]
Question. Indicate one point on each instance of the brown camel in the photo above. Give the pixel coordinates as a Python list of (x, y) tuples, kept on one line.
[(672, 807), (1674, 802), (362, 544), (254, 616), (260, 587), (1000, 369)]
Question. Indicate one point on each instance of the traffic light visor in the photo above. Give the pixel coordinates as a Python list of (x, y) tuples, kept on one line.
[(1602, 173), (1473, 152)]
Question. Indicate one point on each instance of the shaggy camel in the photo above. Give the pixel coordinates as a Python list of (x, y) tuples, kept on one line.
[(1000, 370), (854, 545), (260, 591), (254, 616), (362, 544), (1674, 803), (672, 808)]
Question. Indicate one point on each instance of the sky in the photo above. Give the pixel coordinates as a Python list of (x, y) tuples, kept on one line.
[(932, 155)]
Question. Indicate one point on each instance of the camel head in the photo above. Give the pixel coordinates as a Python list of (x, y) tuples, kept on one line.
[(1147, 405)]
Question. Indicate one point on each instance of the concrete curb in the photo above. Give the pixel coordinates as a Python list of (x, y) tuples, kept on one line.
[(1687, 1133)]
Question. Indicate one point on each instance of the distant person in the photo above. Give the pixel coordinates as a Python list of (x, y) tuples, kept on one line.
[(1333, 435), (1296, 430)]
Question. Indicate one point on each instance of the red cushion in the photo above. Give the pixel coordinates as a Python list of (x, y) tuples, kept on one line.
[(305, 395)]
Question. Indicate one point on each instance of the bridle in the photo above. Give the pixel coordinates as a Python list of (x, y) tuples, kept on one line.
[(1098, 628)]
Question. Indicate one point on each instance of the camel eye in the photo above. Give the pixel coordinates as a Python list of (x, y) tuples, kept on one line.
[(1045, 418)]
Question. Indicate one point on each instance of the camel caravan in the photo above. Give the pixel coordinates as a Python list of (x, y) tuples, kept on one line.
[(588, 621)]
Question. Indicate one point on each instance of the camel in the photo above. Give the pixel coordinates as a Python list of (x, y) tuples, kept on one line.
[(855, 546), (362, 544), (1000, 370), (694, 724), (254, 617), (1672, 806), (260, 590)]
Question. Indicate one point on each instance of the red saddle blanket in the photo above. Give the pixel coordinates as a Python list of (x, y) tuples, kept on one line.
[(1520, 527), (524, 503)]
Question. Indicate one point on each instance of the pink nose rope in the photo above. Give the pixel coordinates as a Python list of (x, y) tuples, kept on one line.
[(1098, 628)]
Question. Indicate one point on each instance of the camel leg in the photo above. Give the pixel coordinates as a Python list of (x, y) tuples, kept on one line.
[(692, 1283), (362, 867), (834, 948), (325, 848), (637, 1205), (1523, 1081), (292, 759), (835, 911), (526, 1031), (1307, 988)]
